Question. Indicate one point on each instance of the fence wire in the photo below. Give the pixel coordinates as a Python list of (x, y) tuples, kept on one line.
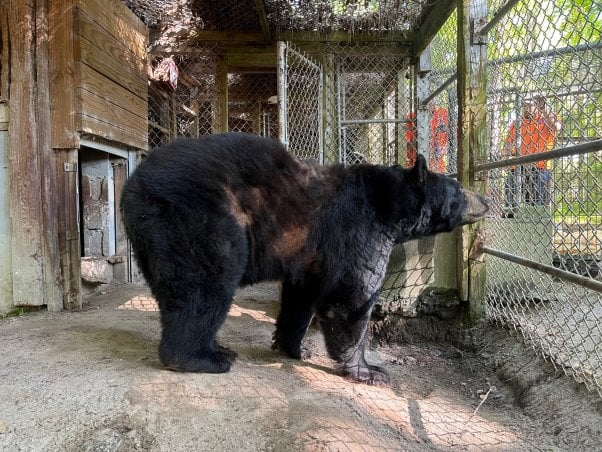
[(187, 106), (371, 101), (301, 80), (442, 101), (252, 105), (544, 65), (544, 92), (190, 107)]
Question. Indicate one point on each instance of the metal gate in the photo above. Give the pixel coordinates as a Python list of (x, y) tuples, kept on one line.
[(300, 102)]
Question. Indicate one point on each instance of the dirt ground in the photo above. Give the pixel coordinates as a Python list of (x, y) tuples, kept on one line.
[(91, 381)]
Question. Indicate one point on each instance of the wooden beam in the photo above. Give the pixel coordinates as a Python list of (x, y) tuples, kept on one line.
[(431, 24), (304, 36), (63, 76), (53, 286), (263, 20), (65, 143), (253, 57), (4, 51), (220, 120), (345, 36), (24, 162), (472, 147)]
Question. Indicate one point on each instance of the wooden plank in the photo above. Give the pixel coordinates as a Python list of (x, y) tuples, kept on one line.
[(97, 107), (251, 58), (263, 20), (63, 75), (93, 82), (112, 132), (4, 51), (226, 37), (120, 272), (297, 37), (429, 27), (329, 112), (51, 256), (24, 164), (63, 71), (220, 120), (119, 22), (102, 52), (93, 126), (67, 212)]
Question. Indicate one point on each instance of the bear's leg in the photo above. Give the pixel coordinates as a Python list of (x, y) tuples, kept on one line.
[(196, 267), (188, 335), (345, 331), (295, 316)]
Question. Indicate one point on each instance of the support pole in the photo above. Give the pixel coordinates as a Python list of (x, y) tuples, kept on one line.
[(423, 70), (282, 95), (472, 144)]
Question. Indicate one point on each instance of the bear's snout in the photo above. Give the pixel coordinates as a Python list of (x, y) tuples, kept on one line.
[(476, 207)]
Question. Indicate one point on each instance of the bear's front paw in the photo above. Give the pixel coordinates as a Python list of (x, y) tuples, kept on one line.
[(372, 375), (292, 352)]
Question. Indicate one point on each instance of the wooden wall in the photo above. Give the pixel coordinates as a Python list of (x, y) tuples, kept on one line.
[(68, 69), (100, 73)]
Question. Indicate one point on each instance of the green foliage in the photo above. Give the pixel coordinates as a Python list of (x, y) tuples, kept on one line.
[(16, 312), (578, 190), (582, 24)]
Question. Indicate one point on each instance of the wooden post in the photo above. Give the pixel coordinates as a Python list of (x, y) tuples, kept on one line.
[(6, 279), (65, 143), (221, 120), (472, 143), (51, 261), (329, 110), (24, 162), (401, 111)]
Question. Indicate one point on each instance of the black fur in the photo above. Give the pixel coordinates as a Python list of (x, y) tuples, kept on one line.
[(206, 216)]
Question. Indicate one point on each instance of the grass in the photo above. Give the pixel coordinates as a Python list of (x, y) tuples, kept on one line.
[(16, 312)]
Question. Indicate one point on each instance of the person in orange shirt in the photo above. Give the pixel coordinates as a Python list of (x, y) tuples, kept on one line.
[(535, 131), (438, 143)]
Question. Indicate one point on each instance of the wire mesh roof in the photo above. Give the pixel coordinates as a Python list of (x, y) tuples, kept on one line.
[(248, 16)]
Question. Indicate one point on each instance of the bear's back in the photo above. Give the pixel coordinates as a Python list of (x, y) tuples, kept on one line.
[(212, 162)]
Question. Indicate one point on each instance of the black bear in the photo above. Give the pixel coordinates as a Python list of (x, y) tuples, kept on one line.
[(208, 215)]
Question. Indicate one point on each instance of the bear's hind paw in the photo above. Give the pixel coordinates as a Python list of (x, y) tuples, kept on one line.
[(217, 362), (228, 353), (372, 375)]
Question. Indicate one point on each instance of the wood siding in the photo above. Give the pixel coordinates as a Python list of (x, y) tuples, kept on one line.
[(99, 78)]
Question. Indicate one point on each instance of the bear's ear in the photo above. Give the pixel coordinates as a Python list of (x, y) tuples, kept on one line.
[(419, 171)]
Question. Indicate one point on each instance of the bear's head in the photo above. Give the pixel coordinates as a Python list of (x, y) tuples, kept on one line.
[(442, 202)]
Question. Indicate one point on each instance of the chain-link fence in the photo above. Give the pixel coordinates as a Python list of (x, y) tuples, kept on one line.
[(301, 103), (441, 99), (363, 102), (183, 94), (252, 105), (544, 94), (189, 87), (371, 101)]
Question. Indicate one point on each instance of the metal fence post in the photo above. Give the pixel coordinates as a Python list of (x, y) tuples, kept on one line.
[(423, 69), (282, 70)]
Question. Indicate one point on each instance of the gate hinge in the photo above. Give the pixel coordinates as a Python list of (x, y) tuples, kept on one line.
[(70, 167)]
